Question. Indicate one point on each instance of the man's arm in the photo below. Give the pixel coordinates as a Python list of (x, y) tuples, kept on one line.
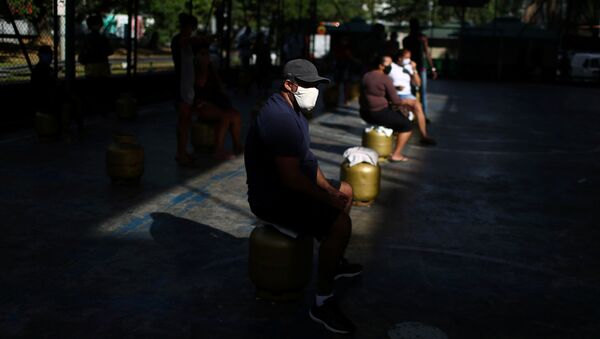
[(292, 178), (324, 184), (427, 52)]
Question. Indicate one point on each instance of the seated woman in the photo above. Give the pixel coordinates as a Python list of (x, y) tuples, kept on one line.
[(403, 75), (213, 104), (377, 91)]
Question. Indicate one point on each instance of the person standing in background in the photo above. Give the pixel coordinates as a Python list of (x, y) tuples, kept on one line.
[(183, 59), (392, 46), (43, 83), (244, 46), (418, 44), (95, 50)]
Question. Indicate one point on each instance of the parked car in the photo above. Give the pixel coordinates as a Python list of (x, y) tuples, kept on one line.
[(585, 65)]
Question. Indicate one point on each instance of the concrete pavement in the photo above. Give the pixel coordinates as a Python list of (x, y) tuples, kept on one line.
[(491, 234)]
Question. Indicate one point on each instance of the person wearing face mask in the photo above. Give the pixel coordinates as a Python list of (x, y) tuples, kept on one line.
[(418, 44), (377, 92), (404, 76), (286, 186)]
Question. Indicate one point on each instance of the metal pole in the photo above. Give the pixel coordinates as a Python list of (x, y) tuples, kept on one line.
[(128, 35), (280, 19), (498, 45), (313, 26), (227, 39), (70, 44), (208, 16), (136, 5), (55, 35), (258, 2)]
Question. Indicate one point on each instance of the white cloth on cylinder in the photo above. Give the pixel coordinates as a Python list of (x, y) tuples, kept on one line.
[(357, 155), (381, 130)]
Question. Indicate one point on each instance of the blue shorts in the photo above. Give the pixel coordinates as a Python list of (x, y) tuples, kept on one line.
[(407, 96)]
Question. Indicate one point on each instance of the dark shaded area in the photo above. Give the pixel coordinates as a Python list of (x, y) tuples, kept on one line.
[(18, 110), (495, 238), (490, 234)]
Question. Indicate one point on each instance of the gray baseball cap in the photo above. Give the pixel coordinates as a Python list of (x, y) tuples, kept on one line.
[(303, 70)]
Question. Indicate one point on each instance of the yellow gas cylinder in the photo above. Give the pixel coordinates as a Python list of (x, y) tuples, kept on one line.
[(126, 106), (279, 266), (381, 143), (332, 94), (46, 126), (125, 159), (203, 135), (365, 180), (354, 90)]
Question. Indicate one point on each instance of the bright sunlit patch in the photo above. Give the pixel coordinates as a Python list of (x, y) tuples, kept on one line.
[(183, 201)]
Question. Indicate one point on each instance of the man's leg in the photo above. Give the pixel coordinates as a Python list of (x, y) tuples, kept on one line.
[(331, 253), (325, 310), (347, 190)]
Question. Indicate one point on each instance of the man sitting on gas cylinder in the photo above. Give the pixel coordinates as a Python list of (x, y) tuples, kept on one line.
[(286, 186)]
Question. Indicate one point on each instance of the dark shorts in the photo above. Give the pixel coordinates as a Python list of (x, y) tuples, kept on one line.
[(389, 118), (302, 215)]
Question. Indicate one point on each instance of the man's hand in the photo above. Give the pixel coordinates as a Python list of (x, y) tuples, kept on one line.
[(434, 74), (338, 199)]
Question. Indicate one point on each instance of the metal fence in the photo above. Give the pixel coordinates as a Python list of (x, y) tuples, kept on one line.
[(26, 25)]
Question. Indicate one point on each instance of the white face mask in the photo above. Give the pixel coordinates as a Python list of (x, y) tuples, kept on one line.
[(306, 98), (406, 61)]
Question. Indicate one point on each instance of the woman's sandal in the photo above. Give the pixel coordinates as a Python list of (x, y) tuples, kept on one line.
[(403, 159)]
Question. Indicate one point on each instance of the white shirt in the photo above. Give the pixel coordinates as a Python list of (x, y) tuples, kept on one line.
[(400, 78)]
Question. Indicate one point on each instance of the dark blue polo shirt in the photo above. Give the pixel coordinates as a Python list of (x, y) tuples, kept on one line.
[(278, 130)]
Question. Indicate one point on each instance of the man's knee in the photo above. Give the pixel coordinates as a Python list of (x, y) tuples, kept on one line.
[(346, 189)]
